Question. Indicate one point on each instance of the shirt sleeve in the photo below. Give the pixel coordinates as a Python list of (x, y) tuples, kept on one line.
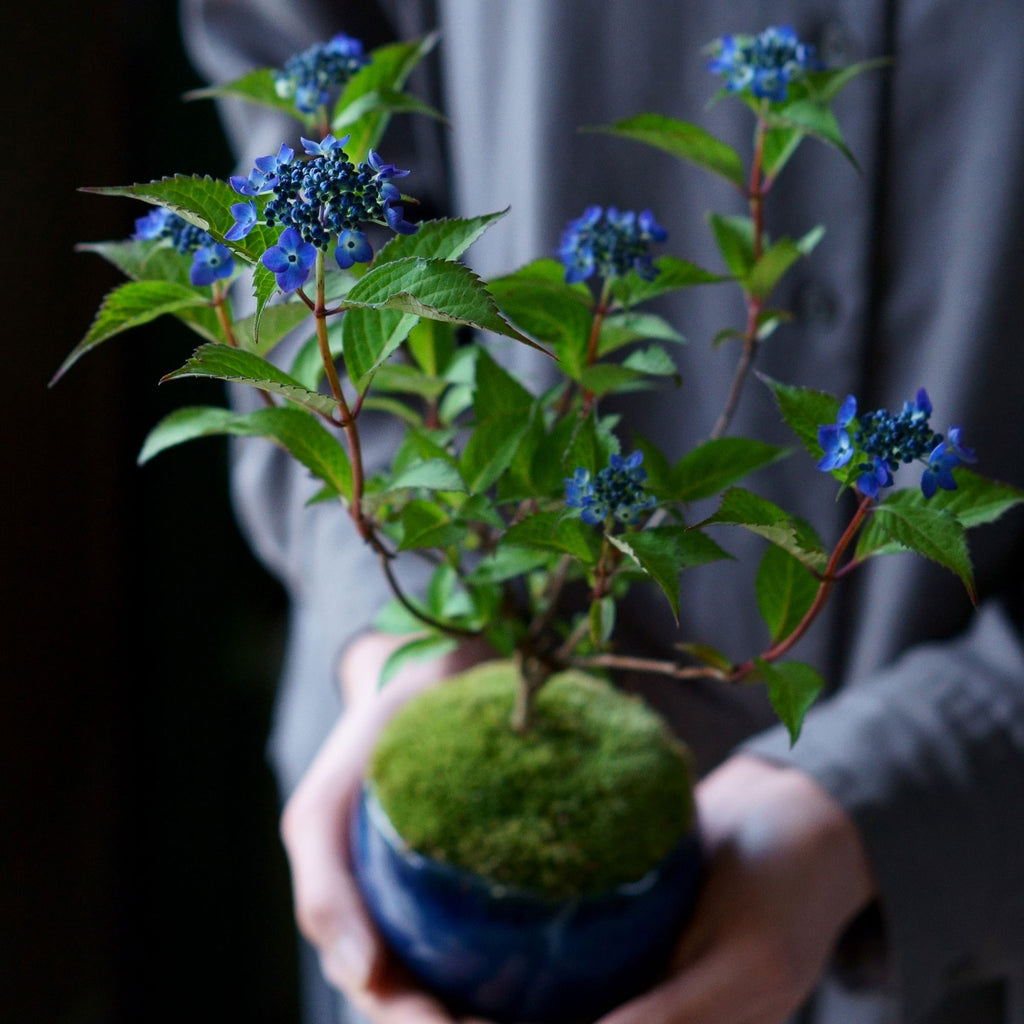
[(927, 758)]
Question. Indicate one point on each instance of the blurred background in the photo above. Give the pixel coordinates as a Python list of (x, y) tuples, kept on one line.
[(141, 875)]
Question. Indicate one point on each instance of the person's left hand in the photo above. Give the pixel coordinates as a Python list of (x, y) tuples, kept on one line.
[(786, 873)]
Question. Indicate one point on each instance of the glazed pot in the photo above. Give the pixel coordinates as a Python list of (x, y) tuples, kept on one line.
[(513, 956)]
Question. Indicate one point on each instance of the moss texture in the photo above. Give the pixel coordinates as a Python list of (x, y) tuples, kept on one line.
[(595, 795)]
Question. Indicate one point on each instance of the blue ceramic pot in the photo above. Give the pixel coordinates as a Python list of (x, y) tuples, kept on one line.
[(511, 955)]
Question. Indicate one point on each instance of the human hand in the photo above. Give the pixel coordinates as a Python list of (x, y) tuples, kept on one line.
[(786, 873), (314, 829)]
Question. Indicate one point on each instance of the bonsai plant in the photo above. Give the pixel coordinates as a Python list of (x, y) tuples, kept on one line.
[(535, 516)]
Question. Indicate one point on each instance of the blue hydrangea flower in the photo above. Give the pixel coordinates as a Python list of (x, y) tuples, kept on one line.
[(609, 243), (211, 263), (835, 440), (765, 64), (291, 260), (311, 77), (617, 491), (324, 197), (353, 247), (939, 471), (246, 217), (887, 440)]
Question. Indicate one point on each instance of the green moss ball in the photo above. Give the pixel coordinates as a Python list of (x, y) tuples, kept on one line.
[(596, 794)]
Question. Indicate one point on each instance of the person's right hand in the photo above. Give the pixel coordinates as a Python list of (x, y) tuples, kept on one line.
[(314, 829)]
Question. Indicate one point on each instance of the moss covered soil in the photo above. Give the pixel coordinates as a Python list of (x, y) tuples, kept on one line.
[(593, 796)]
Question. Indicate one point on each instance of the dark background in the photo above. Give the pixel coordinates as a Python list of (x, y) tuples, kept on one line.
[(141, 875)]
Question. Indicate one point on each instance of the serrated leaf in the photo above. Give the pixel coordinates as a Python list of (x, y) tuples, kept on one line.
[(201, 200), (431, 343), (242, 367), (438, 289), (804, 410), (714, 465), (497, 392), (131, 305), (784, 589), (770, 267), (298, 432), (932, 532), (792, 688), (684, 140), (445, 239), (657, 554), (752, 512)]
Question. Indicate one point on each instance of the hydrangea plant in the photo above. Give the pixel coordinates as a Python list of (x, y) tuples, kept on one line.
[(511, 495)]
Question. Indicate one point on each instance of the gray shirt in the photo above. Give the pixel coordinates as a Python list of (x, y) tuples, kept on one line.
[(917, 283)]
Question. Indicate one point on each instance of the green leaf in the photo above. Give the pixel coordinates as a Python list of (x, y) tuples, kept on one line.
[(933, 532), (792, 688), (497, 392), (735, 238), (445, 239), (438, 289), (815, 119), (538, 300), (421, 648), (715, 464), (770, 267), (785, 590), (491, 447), (276, 323), (432, 345), (389, 68), (424, 525), (826, 85), (602, 620), (429, 475), (673, 274), (508, 561), (254, 87), (804, 410), (203, 201), (383, 101), (625, 328), (298, 432), (760, 516), (657, 554), (131, 305), (369, 336), (241, 367), (551, 531), (686, 141)]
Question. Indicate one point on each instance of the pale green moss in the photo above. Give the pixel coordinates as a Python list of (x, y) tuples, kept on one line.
[(595, 795)]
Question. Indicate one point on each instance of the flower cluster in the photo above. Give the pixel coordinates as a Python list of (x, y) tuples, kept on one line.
[(765, 63), (310, 76), (609, 243), (616, 491), (319, 200), (210, 260), (886, 440)]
